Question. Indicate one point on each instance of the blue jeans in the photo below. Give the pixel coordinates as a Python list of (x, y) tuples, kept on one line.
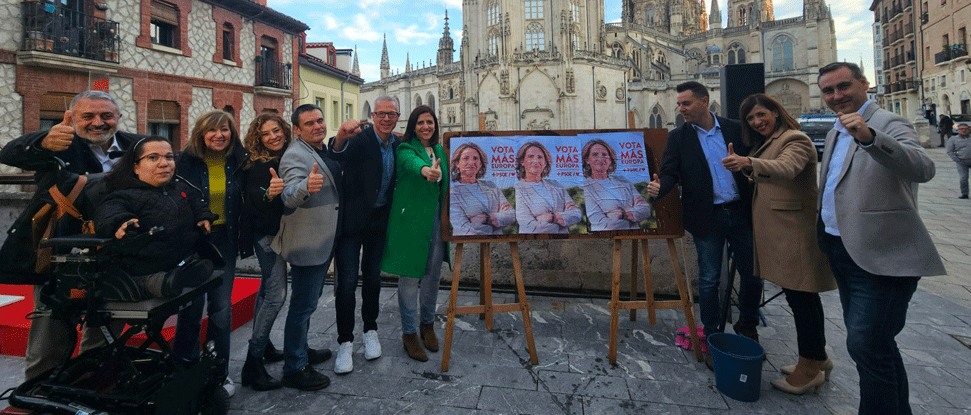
[(353, 251), (307, 284), (409, 289), (733, 225), (270, 297), (874, 312), (219, 305)]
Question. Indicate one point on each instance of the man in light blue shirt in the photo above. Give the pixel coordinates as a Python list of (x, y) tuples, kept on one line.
[(367, 160), (717, 205)]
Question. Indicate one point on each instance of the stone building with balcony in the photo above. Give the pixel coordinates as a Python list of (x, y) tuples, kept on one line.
[(898, 46), (165, 61), (946, 64), (541, 64)]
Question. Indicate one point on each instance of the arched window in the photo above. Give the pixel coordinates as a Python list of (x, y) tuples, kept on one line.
[(534, 9), (782, 54), (736, 54), (654, 119), (493, 42), (617, 51), (650, 16), (574, 11), (417, 101), (493, 13), (535, 39)]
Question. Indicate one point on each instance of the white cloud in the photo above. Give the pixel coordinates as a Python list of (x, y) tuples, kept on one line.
[(412, 36), (433, 20), (373, 4), (360, 30)]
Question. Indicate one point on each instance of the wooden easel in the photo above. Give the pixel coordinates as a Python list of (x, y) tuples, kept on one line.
[(486, 307), (633, 305)]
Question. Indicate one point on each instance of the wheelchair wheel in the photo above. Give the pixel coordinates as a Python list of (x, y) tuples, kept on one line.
[(215, 402)]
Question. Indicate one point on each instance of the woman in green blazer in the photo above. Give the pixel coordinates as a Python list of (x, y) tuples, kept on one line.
[(415, 250)]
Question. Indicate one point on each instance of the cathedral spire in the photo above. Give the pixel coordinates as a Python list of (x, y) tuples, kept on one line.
[(715, 21), (446, 48), (407, 62), (356, 69), (385, 62)]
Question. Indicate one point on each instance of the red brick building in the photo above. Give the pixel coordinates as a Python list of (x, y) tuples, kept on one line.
[(165, 61)]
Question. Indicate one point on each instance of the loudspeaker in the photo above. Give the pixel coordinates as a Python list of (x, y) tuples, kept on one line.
[(738, 82)]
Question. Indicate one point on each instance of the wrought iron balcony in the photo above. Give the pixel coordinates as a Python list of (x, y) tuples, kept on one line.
[(53, 28), (271, 73), (951, 52)]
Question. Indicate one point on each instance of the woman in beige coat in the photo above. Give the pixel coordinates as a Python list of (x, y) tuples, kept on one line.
[(783, 170)]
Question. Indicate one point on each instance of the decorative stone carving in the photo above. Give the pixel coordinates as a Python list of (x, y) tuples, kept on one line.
[(570, 81)]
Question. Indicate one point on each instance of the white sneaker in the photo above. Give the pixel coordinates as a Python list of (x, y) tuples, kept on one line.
[(229, 386), (344, 363), (372, 347)]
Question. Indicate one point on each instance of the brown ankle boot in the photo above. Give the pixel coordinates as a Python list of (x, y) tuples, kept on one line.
[(427, 332), (413, 346)]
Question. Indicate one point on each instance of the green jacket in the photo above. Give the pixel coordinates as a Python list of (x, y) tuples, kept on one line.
[(413, 209)]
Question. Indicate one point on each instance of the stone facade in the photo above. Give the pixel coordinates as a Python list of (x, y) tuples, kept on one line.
[(587, 74)]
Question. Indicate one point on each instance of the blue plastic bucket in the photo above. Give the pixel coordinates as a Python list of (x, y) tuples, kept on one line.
[(738, 365)]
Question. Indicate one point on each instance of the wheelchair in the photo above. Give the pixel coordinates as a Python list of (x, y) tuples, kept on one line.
[(118, 378)]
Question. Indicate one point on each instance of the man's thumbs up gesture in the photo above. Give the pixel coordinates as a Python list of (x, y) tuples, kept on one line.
[(654, 187), (60, 136), (315, 181)]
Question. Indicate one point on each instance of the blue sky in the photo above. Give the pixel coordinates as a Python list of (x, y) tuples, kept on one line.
[(413, 27)]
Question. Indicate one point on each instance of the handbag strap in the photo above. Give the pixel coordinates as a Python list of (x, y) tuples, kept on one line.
[(66, 204)]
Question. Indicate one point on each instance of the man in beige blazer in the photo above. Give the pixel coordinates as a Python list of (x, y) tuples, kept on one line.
[(877, 245)]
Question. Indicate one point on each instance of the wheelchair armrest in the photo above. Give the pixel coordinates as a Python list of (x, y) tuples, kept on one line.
[(76, 241)]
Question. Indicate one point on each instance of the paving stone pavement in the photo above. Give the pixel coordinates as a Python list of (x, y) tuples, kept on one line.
[(490, 371)]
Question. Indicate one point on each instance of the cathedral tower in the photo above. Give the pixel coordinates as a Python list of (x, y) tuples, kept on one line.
[(446, 48), (749, 12)]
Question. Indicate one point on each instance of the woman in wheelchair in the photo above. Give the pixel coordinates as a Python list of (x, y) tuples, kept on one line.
[(144, 193)]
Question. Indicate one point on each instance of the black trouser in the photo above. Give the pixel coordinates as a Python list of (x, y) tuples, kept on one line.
[(807, 312)]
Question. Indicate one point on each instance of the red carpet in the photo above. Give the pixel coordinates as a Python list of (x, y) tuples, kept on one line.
[(14, 325)]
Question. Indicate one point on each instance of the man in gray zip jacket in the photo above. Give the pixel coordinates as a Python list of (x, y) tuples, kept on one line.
[(959, 149)]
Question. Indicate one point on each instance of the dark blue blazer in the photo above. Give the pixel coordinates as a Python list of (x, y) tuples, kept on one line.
[(26, 153), (684, 162), (362, 167)]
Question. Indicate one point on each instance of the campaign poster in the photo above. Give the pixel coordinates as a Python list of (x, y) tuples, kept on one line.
[(481, 193), (615, 178), (548, 185)]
